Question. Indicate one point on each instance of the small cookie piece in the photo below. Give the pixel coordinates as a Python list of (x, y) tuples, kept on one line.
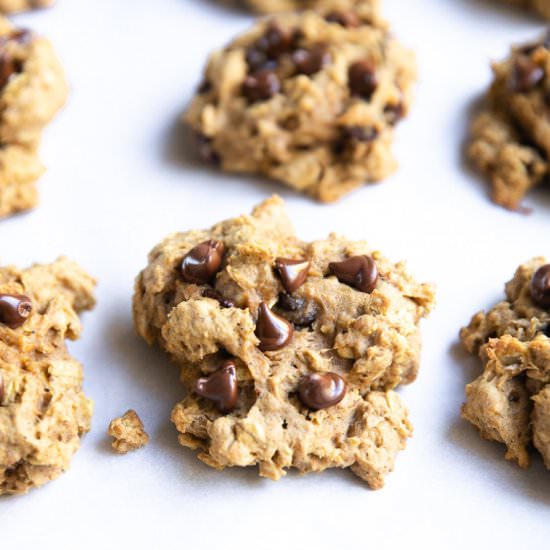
[(510, 138), (309, 99), (541, 7), (510, 401), (43, 411), (290, 350), (16, 6), (32, 90), (128, 432)]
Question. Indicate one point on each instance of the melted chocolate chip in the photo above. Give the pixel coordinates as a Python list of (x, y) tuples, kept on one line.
[(202, 262), (215, 295), (293, 273), (525, 75), (362, 79), (258, 60), (359, 272), (348, 19), (312, 60), (297, 310), (261, 86), (394, 112), (221, 387), (275, 41), (14, 309), (540, 287), (8, 67), (273, 331), (320, 391)]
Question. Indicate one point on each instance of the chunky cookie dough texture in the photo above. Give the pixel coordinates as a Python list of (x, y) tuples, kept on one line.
[(310, 99), (32, 90), (43, 412), (128, 432), (290, 350), (542, 7), (15, 6), (510, 401), (510, 137), (369, 8)]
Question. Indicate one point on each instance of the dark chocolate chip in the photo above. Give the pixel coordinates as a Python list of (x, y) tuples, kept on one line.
[(204, 87), (261, 86), (360, 133), (312, 60), (275, 41), (359, 272), (362, 79), (546, 330), (525, 75), (273, 331), (297, 310), (256, 60), (348, 19), (394, 112), (202, 262), (215, 295), (206, 151), (293, 273), (8, 67), (14, 309), (540, 287), (320, 391), (221, 387)]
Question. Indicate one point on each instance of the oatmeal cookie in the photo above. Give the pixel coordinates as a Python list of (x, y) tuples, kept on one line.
[(510, 401), (32, 90), (290, 350), (310, 99), (510, 137), (43, 411), (128, 432), (16, 6)]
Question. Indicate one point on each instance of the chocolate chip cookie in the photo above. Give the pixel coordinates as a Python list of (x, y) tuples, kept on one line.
[(32, 90), (510, 401), (310, 99), (510, 137), (541, 7), (15, 6), (43, 412), (290, 350)]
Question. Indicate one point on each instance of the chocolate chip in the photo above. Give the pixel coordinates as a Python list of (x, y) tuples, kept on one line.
[(14, 309), (360, 133), (546, 330), (202, 262), (273, 331), (293, 273), (362, 79), (320, 391), (206, 151), (297, 310), (394, 112), (8, 67), (312, 60), (261, 86), (348, 19), (525, 75), (275, 40), (540, 287), (204, 87), (514, 396), (257, 60), (221, 387), (215, 295), (359, 272)]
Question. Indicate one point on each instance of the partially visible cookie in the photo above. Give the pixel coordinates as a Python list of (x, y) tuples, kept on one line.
[(510, 137), (15, 6), (127, 432), (32, 90), (542, 7), (43, 411), (310, 99), (290, 350), (510, 401)]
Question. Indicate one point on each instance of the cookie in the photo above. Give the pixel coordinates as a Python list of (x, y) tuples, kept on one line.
[(510, 401), (510, 136), (32, 90), (310, 99), (127, 432), (341, 9), (290, 350), (16, 6), (541, 7), (43, 411)]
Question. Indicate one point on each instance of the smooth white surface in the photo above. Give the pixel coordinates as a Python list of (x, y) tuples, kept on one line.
[(119, 179)]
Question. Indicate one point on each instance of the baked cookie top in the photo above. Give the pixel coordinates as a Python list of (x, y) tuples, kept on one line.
[(289, 348), (308, 98), (510, 137), (510, 401), (43, 411)]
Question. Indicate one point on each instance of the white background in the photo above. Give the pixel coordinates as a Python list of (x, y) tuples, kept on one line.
[(121, 176)]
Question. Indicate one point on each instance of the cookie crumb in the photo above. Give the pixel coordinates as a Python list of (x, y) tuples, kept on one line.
[(128, 432)]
